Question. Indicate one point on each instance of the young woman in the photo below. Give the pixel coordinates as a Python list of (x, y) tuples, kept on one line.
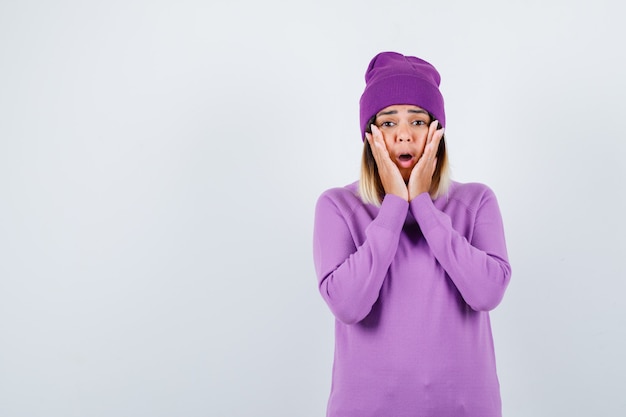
[(410, 262)]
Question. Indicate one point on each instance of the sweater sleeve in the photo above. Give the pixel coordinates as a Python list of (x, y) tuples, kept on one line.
[(478, 268), (350, 277)]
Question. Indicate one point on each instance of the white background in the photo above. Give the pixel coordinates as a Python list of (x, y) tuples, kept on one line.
[(160, 163)]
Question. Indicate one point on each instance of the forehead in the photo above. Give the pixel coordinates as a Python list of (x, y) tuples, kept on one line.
[(401, 109)]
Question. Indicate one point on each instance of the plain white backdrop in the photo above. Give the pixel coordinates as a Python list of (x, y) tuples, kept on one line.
[(160, 163)]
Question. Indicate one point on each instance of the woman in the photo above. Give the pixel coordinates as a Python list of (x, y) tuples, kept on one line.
[(410, 262)]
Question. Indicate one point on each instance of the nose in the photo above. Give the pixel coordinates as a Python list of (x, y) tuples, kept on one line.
[(403, 134)]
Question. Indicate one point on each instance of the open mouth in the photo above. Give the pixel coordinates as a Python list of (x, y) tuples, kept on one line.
[(405, 157)]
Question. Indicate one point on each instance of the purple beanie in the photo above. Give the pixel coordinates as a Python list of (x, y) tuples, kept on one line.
[(392, 78)]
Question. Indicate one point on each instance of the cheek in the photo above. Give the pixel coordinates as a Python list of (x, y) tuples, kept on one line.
[(420, 141)]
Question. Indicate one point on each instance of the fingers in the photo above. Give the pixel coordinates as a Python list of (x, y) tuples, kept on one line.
[(432, 142), (432, 129), (376, 140), (377, 144)]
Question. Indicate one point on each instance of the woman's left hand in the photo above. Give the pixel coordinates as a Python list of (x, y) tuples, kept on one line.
[(422, 174)]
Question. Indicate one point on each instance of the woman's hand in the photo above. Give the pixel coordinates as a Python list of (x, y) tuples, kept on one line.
[(422, 174), (390, 176)]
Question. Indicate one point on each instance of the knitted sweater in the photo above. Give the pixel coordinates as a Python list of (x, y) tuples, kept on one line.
[(410, 286)]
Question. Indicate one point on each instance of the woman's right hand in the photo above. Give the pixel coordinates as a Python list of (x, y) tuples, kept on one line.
[(390, 176)]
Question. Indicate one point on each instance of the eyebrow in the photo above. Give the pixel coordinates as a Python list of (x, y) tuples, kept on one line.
[(386, 113)]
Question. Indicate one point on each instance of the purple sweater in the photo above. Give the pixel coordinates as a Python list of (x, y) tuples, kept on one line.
[(410, 285)]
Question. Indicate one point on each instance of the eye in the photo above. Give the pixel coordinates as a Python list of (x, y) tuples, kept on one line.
[(387, 124), (419, 123)]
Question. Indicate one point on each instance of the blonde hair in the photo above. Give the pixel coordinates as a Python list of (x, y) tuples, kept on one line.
[(371, 188)]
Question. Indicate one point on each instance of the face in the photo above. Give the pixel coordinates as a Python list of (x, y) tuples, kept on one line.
[(404, 129)]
